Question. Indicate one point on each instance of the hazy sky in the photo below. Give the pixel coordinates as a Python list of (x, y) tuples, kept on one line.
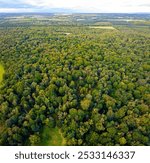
[(98, 6)]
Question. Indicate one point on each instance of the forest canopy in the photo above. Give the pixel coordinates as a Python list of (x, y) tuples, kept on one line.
[(90, 83)]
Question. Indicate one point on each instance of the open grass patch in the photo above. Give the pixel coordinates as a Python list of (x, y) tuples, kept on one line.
[(1, 73), (52, 137)]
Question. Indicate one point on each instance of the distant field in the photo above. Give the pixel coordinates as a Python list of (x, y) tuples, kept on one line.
[(102, 27), (1, 73)]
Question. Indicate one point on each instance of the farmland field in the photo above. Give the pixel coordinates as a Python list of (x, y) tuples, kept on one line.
[(102, 27)]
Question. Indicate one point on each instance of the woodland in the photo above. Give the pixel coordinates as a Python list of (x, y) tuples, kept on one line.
[(75, 85)]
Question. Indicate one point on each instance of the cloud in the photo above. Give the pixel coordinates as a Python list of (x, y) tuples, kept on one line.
[(80, 5), (16, 10), (14, 4), (145, 5)]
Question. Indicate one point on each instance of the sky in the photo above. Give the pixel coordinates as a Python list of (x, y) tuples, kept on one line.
[(71, 6)]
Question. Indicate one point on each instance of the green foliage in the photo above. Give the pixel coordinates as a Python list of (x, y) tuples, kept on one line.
[(1, 73), (122, 141), (92, 85), (34, 139), (85, 104)]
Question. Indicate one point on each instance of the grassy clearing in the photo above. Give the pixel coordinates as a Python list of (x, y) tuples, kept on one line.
[(1, 73), (102, 27), (52, 137)]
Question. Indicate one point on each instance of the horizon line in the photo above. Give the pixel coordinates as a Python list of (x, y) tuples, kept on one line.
[(74, 12)]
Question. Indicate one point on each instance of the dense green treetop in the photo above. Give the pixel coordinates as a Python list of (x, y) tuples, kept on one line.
[(92, 83)]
